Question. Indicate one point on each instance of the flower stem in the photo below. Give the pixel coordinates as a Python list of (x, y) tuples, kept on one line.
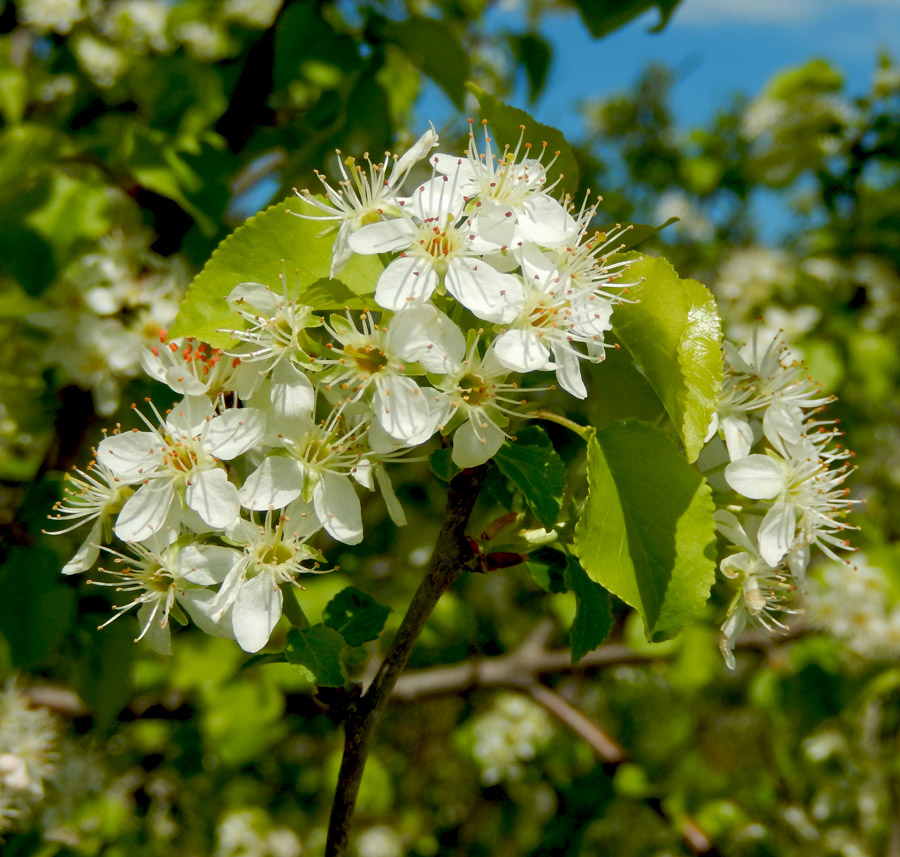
[(452, 556), (584, 432)]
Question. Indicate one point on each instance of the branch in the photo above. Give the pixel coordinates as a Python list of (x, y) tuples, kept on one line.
[(531, 660), (452, 556)]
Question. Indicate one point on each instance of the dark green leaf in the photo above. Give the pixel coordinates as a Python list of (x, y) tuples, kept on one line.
[(647, 532), (535, 54), (593, 617), (674, 335), (356, 615), (602, 17), (318, 649), (267, 246), (442, 464), (547, 568), (508, 124), (536, 469), (434, 49), (36, 604)]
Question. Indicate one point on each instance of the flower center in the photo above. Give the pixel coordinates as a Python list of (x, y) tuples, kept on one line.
[(475, 390)]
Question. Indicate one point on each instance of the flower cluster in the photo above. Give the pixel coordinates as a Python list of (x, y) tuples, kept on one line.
[(108, 306), (28, 748), (487, 277), (782, 480)]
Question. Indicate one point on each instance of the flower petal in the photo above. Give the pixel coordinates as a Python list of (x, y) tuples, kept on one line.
[(337, 505), (759, 477), (256, 612), (213, 498), (145, 511)]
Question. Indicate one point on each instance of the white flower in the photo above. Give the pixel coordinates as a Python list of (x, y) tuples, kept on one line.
[(274, 553), (476, 395), (193, 368), (809, 499), (315, 463), (98, 494), (181, 459), (374, 358), (507, 197), (436, 249), (364, 196), (163, 576)]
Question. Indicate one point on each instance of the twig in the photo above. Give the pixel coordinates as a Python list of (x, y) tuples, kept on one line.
[(606, 749), (452, 556)]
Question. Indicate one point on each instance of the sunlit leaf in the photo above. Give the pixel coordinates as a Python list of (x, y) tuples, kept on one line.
[(267, 246), (674, 318), (646, 532)]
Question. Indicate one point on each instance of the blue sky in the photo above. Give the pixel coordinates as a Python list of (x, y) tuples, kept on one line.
[(720, 47)]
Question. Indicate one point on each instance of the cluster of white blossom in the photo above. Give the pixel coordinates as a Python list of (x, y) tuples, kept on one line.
[(856, 606), (507, 736), (110, 305), (28, 749), (487, 277), (783, 476)]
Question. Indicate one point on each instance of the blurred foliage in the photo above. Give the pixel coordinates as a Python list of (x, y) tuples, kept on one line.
[(135, 135)]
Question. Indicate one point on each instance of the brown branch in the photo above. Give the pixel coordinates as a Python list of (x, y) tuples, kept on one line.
[(607, 750), (452, 556)]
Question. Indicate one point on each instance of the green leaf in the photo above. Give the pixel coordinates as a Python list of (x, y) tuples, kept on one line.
[(536, 469), (434, 49), (547, 567), (646, 532), (535, 53), (593, 616), (267, 246), (36, 604), (507, 123), (602, 17), (356, 615), (318, 649), (442, 465), (674, 335)]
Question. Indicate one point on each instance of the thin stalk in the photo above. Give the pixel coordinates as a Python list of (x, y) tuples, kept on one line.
[(452, 556)]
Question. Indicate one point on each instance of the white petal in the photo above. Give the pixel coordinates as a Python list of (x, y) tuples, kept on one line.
[(544, 221), (132, 455), (522, 351), (738, 437), (407, 281), (87, 554), (337, 506), (213, 498), (568, 370), (400, 407), (145, 511), (776, 533), (273, 485), (417, 151), (426, 335), (188, 416), (259, 297), (206, 565), (256, 612), (200, 605), (292, 392), (473, 445), (234, 432), (759, 477), (395, 510), (491, 295), (156, 635), (302, 519), (386, 236)]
